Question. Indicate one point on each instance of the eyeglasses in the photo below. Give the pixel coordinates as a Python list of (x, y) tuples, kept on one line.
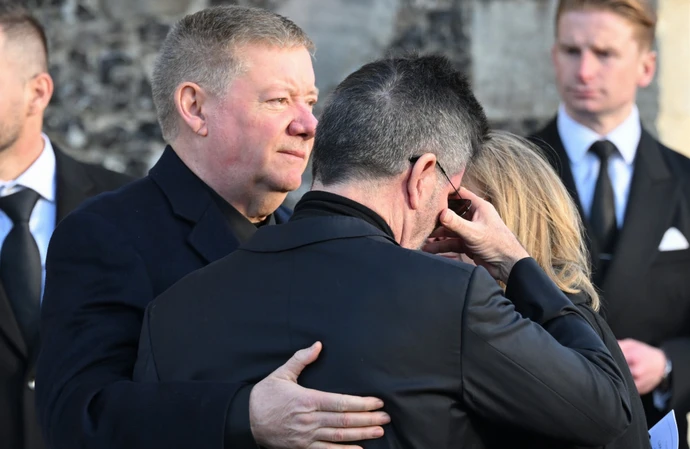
[(458, 205)]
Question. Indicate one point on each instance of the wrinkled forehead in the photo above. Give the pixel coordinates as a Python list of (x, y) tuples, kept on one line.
[(265, 64)]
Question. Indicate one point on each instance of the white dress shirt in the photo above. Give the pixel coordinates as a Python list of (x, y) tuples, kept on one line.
[(577, 139), (40, 177)]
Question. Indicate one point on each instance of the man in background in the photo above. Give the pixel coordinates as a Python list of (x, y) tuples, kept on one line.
[(39, 186), (234, 90), (632, 192)]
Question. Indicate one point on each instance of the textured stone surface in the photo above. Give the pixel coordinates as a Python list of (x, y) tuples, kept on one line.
[(103, 51)]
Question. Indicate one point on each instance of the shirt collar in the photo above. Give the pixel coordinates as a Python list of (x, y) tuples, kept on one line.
[(40, 176), (626, 136)]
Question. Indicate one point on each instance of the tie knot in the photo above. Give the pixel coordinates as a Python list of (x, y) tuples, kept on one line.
[(604, 149), (19, 205)]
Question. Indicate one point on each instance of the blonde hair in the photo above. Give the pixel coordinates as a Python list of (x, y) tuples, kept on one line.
[(512, 174), (640, 13)]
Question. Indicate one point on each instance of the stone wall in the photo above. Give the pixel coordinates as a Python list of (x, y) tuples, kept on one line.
[(103, 50)]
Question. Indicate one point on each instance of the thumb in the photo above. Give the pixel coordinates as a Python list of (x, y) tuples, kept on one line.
[(293, 367), (451, 221)]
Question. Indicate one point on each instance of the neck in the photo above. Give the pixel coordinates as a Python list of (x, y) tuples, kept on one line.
[(382, 198), (249, 200), (256, 207), (18, 157), (601, 124)]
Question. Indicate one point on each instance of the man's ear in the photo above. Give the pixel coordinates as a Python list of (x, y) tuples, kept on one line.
[(190, 102), (421, 182), (647, 68), (40, 91)]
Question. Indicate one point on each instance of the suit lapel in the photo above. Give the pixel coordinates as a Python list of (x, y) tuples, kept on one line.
[(73, 184), (211, 236), (649, 213), (550, 141), (191, 201)]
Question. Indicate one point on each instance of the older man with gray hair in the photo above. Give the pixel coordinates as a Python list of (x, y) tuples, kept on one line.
[(437, 340), (234, 90)]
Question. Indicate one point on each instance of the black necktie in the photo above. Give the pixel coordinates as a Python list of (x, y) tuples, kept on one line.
[(603, 214), (20, 263)]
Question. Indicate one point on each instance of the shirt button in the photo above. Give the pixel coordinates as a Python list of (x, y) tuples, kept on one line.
[(31, 384)]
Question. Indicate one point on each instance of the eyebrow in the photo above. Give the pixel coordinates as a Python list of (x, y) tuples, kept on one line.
[(291, 90)]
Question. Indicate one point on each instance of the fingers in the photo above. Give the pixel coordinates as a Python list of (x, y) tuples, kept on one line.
[(350, 419), (625, 343), (442, 232), (332, 402), (339, 435), (470, 195), (445, 246), (293, 367), (325, 445), (637, 372), (453, 222)]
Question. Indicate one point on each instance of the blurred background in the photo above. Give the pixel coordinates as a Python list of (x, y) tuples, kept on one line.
[(102, 52)]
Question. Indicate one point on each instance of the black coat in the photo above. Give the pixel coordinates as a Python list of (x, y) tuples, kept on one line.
[(635, 437), (76, 181), (646, 293), (106, 262), (435, 339)]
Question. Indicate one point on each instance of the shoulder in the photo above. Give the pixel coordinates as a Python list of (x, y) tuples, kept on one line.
[(678, 165), (678, 162), (132, 208), (546, 135), (105, 179), (102, 178)]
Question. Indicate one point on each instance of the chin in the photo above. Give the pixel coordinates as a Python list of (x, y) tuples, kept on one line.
[(285, 186), (586, 107)]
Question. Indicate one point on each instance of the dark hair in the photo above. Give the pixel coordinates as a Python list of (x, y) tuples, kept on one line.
[(18, 23), (393, 109)]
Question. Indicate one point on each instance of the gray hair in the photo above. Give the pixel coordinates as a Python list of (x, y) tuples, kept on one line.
[(204, 47), (391, 110)]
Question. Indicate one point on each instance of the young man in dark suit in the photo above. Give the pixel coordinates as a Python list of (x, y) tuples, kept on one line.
[(436, 339), (39, 186), (632, 192), (234, 89)]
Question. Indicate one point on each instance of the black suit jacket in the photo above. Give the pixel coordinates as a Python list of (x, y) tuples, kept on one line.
[(646, 293), (106, 262), (635, 437), (76, 181), (435, 339)]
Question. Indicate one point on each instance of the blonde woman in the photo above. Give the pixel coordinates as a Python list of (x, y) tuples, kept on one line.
[(512, 174)]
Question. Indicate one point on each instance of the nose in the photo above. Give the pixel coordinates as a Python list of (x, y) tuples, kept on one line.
[(304, 124), (587, 67)]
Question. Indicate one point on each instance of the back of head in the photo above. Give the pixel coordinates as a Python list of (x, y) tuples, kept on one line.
[(24, 36), (640, 13), (206, 48), (512, 174), (391, 110)]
